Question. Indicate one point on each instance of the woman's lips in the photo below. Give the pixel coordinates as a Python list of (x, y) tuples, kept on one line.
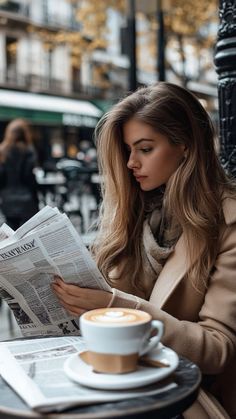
[(140, 178)]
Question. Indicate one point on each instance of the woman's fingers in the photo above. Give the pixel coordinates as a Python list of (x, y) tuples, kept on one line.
[(78, 298), (64, 297), (72, 310), (57, 278), (70, 289)]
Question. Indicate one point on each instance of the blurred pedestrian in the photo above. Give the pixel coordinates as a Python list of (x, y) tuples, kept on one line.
[(18, 186)]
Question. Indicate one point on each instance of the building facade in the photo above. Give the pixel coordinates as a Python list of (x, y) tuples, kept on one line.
[(45, 52), (36, 68)]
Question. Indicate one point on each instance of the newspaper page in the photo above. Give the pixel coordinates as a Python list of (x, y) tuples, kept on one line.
[(46, 245), (34, 369), (5, 232), (43, 217)]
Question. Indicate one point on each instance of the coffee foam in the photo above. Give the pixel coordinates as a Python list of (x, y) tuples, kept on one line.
[(117, 316)]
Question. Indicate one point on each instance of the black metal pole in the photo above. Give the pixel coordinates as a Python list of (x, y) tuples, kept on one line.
[(160, 43), (132, 45), (225, 61)]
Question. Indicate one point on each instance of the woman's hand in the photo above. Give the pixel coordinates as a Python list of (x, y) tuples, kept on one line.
[(77, 300)]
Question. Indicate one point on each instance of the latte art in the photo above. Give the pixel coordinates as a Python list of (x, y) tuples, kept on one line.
[(109, 318), (116, 316)]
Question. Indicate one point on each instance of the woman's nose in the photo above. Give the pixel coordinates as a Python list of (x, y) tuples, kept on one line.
[(133, 163)]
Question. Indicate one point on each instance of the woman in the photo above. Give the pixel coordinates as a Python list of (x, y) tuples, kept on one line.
[(167, 237), (18, 188)]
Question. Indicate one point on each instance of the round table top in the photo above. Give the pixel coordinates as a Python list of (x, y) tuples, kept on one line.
[(167, 404)]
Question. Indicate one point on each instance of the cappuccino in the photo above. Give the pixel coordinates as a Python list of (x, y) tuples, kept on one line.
[(117, 316), (116, 337)]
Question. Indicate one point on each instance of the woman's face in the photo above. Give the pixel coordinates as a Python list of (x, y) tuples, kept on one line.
[(152, 158)]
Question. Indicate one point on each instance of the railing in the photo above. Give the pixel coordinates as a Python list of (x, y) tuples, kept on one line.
[(36, 83), (33, 82)]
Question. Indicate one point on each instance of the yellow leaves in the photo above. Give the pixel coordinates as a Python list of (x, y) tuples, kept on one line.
[(99, 77), (75, 61), (92, 17), (68, 37), (98, 43), (12, 48), (47, 46), (181, 18), (187, 16)]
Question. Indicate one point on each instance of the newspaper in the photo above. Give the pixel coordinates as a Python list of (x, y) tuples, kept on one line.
[(34, 369), (45, 245)]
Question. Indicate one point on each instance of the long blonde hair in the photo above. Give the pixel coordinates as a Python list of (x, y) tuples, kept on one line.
[(194, 190)]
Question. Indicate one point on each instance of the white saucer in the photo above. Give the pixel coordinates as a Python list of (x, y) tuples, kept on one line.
[(82, 373)]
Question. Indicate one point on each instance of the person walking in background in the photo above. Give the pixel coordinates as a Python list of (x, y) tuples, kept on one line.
[(167, 237), (18, 187)]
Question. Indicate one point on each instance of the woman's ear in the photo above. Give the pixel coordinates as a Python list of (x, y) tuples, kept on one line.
[(184, 150)]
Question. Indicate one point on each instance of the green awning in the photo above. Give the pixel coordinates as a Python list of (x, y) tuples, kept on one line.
[(103, 104), (45, 109), (37, 117)]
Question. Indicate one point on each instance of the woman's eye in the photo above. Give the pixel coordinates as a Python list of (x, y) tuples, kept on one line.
[(146, 149)]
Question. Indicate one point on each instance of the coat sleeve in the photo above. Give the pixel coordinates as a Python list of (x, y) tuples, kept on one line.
[(2, 176), (210, 342), (27, 174)]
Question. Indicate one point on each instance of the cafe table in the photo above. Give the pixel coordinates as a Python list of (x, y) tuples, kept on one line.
[(167, 404)]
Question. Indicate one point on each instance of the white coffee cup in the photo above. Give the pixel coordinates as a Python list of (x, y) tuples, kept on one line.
[(117, 337)]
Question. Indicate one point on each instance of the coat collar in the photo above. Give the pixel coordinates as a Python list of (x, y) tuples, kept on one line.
[(177, 264), (171, 274)]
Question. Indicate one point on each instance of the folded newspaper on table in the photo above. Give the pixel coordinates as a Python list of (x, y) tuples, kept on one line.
[(34, 369), (45, 245)]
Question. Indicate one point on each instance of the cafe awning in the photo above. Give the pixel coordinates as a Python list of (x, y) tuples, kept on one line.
[(45, 109)]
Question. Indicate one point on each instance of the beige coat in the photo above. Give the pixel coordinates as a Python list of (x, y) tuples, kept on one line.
[(200, 326)]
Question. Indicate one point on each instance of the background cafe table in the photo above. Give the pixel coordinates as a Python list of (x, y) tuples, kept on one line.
[(164, 405)]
